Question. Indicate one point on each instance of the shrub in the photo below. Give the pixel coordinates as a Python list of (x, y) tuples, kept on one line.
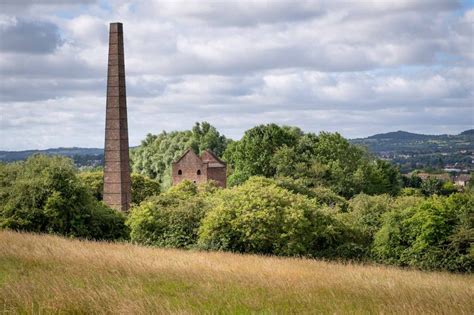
[(322, 195), (94, 181), (261, 217), (142, 186), (326, 196), (44, 194), (365, 214), (437, 233), (171, 219), (409, 191)]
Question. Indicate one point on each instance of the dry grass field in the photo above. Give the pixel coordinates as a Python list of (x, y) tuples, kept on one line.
[(43, 274)]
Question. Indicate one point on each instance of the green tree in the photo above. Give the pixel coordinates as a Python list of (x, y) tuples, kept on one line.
[(171, 219), (44, 194), (142, 186), (261, 217), (94, 181), (156, 153), (365, 213), (253, 153), (330, 160), (437, 233), (431, 186), (206, 136)]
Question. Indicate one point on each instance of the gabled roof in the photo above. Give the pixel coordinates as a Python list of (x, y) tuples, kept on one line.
[(213, 161), (463, 177), (188, 151), (214, 157)]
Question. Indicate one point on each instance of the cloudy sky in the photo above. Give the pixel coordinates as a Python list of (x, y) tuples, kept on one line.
[(356, 67)]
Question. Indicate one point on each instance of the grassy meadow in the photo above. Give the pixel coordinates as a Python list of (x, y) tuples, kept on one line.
[(45, 274)]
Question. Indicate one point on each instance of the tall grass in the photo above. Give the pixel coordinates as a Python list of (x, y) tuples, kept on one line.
[(47, 274)]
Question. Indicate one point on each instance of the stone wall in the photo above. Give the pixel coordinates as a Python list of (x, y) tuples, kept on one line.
[(218, 174), (199, 169), (187, 168)]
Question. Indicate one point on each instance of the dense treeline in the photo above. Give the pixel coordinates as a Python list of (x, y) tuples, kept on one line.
[(273, 151), (154, 156), (292, 194), (261, 216), (44, 194)]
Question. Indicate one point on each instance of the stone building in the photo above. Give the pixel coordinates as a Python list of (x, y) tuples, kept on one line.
[(199, 169)]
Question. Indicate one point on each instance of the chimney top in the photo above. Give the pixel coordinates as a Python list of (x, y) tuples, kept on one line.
[(116, 27)]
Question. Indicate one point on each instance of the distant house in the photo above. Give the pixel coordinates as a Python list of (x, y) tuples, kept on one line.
[(442, 176), (199, 169), (462, 180)]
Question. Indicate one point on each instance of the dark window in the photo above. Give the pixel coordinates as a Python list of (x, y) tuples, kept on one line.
[(180, 172), (199, 172)]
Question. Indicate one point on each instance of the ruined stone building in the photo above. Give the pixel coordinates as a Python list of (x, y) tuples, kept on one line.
[(199, 169)]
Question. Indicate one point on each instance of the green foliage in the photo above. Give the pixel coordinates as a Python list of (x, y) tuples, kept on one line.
[(253, 153), (261, 217), (365, 212), (156, 153), (412, 181), (44, 194), (409, 191), (321, 195), (94, 181), (434, 186), (448, 188), (142, 186), (326, 160), (437, 233), (349, 170), (171, 219), (207, 137)]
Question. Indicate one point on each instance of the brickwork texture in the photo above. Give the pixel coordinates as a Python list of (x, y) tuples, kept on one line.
[(199, 169), (117, 185)]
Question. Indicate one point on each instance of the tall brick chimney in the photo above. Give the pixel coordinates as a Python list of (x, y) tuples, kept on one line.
[(117, 188)]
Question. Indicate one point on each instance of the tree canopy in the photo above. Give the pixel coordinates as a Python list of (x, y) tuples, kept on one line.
[(156, 153), (326, 159), (44, 194)]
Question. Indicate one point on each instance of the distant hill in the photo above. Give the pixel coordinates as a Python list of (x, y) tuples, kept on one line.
[(419, 151), (81, 156), (409, 150), (468, 132), (400, 135)]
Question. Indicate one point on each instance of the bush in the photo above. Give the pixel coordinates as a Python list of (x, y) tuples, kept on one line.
[(409, 191), (261, 217), (156, 153), (437, 233), (365, 214), (94, 181), (44, 194), (171, 219), (322, 195), (142, 186)]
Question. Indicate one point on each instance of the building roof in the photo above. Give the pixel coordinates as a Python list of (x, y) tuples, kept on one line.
[(442, 176), (213, 159), (206, 157), (463, 178), (186, 153)]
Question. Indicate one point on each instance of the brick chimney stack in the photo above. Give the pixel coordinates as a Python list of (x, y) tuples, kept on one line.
[(117, 187)]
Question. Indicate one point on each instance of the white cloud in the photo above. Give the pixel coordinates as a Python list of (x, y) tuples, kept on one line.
[(353, 67)]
